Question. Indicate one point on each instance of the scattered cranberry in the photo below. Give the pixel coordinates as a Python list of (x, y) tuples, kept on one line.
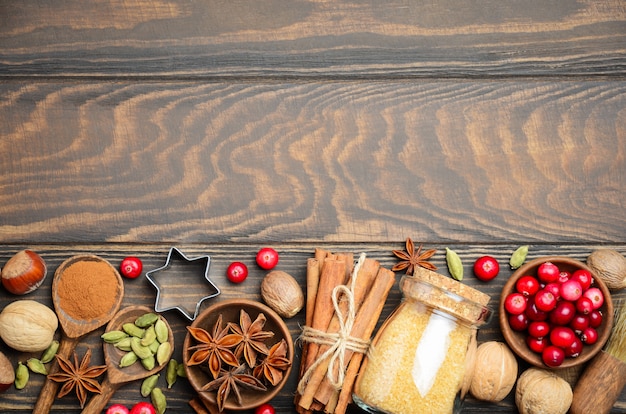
[(553, 356), (143, 408), (237, 272), (131, 267), (527, 285), (486, 268), (548, 272), (265, 409), (117, 409), (267, 258)]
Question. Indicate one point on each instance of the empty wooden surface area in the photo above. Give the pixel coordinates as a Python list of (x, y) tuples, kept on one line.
[(128, 127)]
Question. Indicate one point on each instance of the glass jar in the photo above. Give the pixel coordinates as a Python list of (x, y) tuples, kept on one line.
[(418, 358)]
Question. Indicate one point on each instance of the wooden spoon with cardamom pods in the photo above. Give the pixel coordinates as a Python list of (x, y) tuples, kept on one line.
[(116, 356), (87, 292)]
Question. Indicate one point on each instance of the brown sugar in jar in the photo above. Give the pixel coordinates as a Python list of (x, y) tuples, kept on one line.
[(417, 360), (88, 289)]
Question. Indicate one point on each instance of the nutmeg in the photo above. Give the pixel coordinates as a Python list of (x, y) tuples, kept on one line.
[(282, 293), (610, 266), (7, 373), (24, 272)]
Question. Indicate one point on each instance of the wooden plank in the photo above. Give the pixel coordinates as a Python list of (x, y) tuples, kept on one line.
[(311, 38), (466, 161), (292, 260)]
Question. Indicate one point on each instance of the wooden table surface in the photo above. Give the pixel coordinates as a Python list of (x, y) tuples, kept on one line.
[(219, 127)]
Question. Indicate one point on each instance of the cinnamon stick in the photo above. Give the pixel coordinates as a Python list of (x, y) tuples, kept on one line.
[(333, 274), (365, 323), (362, 285)]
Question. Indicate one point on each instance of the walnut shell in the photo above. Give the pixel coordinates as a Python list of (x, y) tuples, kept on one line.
[(495, 372), (282, 293), (7, 373), (540, 391), (610, 266), (27, 325)]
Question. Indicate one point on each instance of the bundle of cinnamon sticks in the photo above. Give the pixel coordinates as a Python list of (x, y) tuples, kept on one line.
[(326, 386)]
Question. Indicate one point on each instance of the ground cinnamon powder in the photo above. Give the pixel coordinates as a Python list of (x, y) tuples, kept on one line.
[(87, 289)]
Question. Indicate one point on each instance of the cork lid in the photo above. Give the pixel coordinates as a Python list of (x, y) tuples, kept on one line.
[(451, 285)]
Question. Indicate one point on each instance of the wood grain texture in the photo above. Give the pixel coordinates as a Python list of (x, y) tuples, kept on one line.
[(292, 260), (312, 38), (341, 161)]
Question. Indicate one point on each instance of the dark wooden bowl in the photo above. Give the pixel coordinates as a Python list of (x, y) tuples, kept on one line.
[(198, 375), (517, 340)]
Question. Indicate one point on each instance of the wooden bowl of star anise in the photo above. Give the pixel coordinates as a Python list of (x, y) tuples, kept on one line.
[(237, 354)]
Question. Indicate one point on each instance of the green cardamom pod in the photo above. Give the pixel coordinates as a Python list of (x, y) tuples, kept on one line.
[(154, 347), (128, 359), (21, 376), (140, 350), (158, 400), (146, 320), (518, 257), (148, 362), (36, 366), (180, 371), (163, 353), (148, 384), (133, 330), (113, 337), (124, 344), (162, 333), (455, 265), (50, 352), (171, 373), (149, 336)]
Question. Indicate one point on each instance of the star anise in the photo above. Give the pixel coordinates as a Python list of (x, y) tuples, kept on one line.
[(272, 367), (215, 348), (81, 376), (412, 258), (252, 337), (230, 381)]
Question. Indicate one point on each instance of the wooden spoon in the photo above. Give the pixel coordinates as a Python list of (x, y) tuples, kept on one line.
[(73, 329), (117, 376)]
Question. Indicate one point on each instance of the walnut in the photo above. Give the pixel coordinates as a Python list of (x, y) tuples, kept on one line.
[(27, 325), (540, 391), (495, 372)]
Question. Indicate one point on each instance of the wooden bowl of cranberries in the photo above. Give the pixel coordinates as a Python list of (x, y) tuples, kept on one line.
[(554, 313)]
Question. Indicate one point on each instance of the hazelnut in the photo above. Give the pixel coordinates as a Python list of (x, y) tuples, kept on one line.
[(24, 272), (7, 373), (282, 293)]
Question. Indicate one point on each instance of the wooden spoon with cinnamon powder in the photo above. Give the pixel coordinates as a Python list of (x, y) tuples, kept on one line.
[(87, 292)]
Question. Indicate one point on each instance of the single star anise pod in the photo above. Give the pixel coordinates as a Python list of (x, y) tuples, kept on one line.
[(274, 364), (214, 348), (230, 381), (412, 258), (81, 376), (252, 337)]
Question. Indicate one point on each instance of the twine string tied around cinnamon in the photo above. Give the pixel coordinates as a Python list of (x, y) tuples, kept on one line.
[(338, 342)]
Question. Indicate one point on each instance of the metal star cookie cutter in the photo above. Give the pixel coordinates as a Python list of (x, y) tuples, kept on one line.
[(176, 284)]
